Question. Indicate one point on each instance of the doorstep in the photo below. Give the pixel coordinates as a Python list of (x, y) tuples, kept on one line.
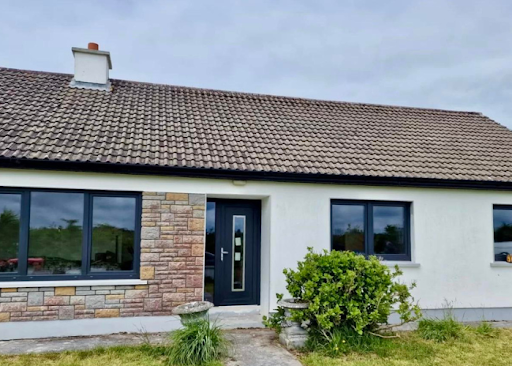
[(237, 317), (236, 310)]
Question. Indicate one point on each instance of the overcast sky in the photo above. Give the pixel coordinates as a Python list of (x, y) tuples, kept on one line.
[(451, 54)]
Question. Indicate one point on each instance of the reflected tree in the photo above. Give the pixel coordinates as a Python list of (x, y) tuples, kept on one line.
[(112, 248), (9, 237), (503, 233), (351, 238), (390, 241)]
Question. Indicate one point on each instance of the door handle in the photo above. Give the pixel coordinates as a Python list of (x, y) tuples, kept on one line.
[(222, 252)]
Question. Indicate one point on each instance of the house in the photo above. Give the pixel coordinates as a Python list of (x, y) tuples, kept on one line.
[(120, 200)]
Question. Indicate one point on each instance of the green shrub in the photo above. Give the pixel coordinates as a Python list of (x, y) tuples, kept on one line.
[(198, 343), (275, 320), (441, 330), (348, 290)]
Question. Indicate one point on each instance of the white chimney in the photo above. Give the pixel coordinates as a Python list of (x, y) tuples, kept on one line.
[(91, 68)]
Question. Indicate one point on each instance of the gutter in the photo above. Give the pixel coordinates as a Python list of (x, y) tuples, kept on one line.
[(137, 169)]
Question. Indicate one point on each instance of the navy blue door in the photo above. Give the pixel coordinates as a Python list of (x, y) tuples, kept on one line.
[(237, 252)]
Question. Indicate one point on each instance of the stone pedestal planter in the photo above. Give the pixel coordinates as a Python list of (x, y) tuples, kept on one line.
[(193, 311), (292, 334)]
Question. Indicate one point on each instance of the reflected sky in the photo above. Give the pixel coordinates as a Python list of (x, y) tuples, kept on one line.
[(114, 211), (239, 224), (502, 217), (387, 215), (51, 209), (210, 216), (344, 216), (10, 202), (353, 215)]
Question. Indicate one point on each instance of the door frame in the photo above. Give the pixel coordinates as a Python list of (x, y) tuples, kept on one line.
[(256, 279)]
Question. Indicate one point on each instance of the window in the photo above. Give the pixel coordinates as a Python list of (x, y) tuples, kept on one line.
[(10, 211), (113, 233), (52, 235), (502, 217), (372, 228)]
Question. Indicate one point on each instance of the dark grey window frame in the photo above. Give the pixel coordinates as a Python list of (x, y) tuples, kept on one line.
[(497, 207), (21, 275), (368, 226)]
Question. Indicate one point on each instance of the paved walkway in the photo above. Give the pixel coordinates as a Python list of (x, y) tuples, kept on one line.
[(251, 347), (259, 347)]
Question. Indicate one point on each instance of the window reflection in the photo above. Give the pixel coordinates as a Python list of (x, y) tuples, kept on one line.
[(238, 283), (502, 233), (388, 229), (113, 233), (348, 227), (209, 258), (10, 209), (55, 238), (372, 228)]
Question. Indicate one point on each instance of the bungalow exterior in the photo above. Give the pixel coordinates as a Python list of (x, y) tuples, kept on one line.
[(120, 200)]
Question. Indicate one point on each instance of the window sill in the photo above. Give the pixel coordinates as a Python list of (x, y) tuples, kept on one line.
[(400, 264), (501, 264), (72, 283)]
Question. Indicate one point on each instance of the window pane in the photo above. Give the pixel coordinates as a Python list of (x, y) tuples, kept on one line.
[(10, 208), (238, 283), (113, 233), (56, 221), (388, 230), (209, 256), (348, 227), (502, 233)]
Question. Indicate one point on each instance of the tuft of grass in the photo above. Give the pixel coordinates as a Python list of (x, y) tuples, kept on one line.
[(197, 343), (485, 329), (441, 330), (343, 340)]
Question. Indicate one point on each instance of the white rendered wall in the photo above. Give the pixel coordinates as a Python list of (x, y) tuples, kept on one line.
[(452, 230)]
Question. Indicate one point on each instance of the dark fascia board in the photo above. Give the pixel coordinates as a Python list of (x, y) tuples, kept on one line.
[(136, 169)]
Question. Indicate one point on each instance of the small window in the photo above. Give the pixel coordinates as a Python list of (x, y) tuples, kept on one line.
[(372, 228), (113, 233), (65, 235), (502, 216)]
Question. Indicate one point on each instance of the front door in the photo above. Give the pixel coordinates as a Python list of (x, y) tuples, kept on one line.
[(236, 270)]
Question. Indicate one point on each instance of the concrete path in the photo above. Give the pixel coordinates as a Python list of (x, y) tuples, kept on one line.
[(254, 347), (259, 347), (46, 345)]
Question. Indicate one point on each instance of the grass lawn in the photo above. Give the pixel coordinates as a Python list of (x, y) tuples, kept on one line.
[(116, 356), (472, 350)]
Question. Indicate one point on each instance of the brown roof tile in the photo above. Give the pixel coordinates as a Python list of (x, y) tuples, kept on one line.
[(41, 117)]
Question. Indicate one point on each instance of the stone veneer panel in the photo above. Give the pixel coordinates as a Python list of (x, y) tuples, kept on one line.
[(172, 253)]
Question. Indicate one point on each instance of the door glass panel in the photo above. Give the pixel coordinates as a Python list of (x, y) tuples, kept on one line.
[(348, 227), (209, 255), (238, 253), (56, 224), (388, 229), (10, 209), (113, 233)]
